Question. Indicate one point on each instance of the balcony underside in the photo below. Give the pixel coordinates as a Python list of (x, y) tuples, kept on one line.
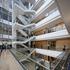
[(53, 36)]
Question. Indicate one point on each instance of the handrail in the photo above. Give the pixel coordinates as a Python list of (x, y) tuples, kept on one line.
[(27, 56), (61, 61), (56, 62), (38, 63), (65, 63)]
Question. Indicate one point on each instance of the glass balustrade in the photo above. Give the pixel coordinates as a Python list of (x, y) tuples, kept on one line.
[(27, 59)]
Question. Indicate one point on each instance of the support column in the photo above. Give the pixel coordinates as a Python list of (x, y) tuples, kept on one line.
[(13, 25)]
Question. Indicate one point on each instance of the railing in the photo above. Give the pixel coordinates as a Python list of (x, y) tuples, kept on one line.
[(65, 65), (20, 3), (60, 64), (20, 59), (21, 38), (55, 65), (56, 62)]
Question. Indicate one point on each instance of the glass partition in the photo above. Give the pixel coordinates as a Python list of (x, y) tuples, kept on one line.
[(29, 57)]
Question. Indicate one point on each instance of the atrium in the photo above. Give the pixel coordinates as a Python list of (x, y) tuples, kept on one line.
[(34, 35)]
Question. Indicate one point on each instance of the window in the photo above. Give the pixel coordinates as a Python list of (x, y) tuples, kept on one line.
[(6, 15)]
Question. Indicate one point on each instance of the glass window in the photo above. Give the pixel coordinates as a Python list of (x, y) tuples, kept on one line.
[(43, 6), (10, 18), (10, 4), (5, 14)]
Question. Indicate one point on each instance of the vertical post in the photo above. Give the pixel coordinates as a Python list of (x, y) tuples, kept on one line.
[(29, 41), (50, 63), (13, 26)]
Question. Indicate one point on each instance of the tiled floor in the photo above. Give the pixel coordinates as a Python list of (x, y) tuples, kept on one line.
[(3, 63), (8, 62)]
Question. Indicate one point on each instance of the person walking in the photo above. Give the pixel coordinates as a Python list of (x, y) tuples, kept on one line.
[(6, 46), (64, 48), (1, 49), (68, 66)]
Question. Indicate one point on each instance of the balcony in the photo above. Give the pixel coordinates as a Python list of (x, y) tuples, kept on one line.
[(44, 9), (50, 21), (54, 35)]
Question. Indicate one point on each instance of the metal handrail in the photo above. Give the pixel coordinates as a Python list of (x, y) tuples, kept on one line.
[(65, 63), (61, 61)]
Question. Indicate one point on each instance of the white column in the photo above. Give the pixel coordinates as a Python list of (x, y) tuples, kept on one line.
[(13, 25)]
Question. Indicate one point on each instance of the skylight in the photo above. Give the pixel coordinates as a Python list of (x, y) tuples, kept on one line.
[(43, 6)]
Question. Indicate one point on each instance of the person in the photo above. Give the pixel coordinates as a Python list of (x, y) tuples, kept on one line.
[(68, 66), (62, 68), (5, 46), (1, 49), (64, 48), (48, 46)]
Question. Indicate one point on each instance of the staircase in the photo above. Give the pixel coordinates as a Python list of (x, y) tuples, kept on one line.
[(23, 20), (25, 16)]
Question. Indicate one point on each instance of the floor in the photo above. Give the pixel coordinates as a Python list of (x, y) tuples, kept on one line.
[(3, 64), (8, 62)]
